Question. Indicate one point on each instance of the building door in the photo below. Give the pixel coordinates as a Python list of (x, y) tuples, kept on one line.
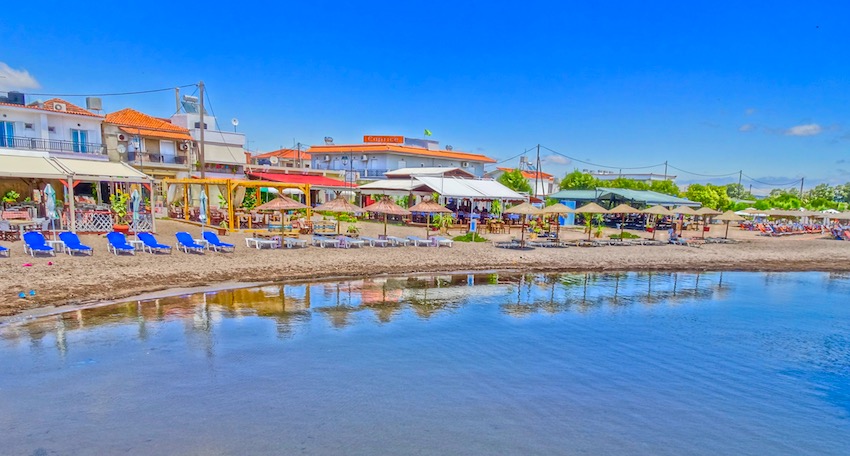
[(80, 138), (7, 134), (166, 149)]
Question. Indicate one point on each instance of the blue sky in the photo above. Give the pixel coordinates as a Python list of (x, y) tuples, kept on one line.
[(710, 87)]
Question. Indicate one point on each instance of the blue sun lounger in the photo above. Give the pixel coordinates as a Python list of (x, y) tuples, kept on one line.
[(5, 252), (216, 243), (118, 243), (186, 243), (34, 242), (150, 244), (73, 244)]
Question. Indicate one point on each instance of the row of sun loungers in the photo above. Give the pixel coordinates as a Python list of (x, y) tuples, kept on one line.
[(36, 244), (787, 230)]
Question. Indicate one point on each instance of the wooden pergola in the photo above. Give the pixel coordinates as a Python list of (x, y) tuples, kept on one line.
[(232, 185)]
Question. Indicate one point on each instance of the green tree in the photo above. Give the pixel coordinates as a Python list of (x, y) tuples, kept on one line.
[(738, 191), (713, 196), (629, 184), (821, 191), (515, 181), (666, 186), (578, 180)]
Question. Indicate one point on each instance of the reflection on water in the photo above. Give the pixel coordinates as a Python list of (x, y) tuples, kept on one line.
[(342, 304), (614, 363)]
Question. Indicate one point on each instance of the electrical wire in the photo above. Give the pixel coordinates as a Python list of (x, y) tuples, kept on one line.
[(138, 92), (704, 175), (218, 127), (598, 165), (775, 184)]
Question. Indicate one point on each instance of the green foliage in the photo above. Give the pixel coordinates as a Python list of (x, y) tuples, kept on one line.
[(119, 202), (629, 184), (515, 181), (11, 197), (496, 208), (713, 196), (578, 180), (470, 237), (250, 200), (442, 221), (222, 201), (737, 191), (403, 201), (666, 187), (625, 235)]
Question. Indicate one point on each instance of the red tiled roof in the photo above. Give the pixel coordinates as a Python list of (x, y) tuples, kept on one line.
[(285, 154), (140, 123), (367, 148), (50, 105), (529, 174), (316, 181)]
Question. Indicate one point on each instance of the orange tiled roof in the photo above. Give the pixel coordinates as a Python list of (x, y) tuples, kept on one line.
[(135, 122), (50, 105), (285, 154), (367, 148), (530, 174)]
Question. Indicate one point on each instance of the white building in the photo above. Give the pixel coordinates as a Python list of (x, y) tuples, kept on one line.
[(224, 151)]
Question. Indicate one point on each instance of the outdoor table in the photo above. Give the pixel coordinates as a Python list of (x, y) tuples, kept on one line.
[(203, 242), (57, 245), (22, 224), (137, 244)]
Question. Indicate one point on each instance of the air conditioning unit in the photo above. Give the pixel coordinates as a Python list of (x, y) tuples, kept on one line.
[(122, 137), (184, 145), (327, 158), (365, 158), (464, 164), (60, 107)]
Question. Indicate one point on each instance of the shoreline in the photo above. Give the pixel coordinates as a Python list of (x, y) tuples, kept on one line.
[(78, 282)]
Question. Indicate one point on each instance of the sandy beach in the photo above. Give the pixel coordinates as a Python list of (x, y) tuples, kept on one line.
[(64, 280)]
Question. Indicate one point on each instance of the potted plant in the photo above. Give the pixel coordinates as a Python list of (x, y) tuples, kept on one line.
[(352, 230), (442, 222), (118, 201), (11, 197)]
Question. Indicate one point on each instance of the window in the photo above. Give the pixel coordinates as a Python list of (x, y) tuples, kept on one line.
[(80, 138), (198, 125), (7, 134), (51, 129), (28, 126)]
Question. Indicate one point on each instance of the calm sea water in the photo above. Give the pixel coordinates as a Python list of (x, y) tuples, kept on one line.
[(638, 363)]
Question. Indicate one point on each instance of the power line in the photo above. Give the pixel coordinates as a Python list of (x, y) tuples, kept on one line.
[(517, 155), (598, 165), (704, 175), (218, 127), (138, 92), (774, 184)]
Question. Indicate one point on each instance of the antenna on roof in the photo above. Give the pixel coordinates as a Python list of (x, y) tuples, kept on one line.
[(329, 140), (235, 123)]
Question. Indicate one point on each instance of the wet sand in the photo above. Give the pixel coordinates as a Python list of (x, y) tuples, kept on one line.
[(79, 280)]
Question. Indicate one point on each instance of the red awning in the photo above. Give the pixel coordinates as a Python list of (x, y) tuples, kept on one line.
[(314, 181)]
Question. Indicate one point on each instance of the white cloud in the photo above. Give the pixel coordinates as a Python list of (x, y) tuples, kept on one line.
[(746, 127), (804, 130), (12, 79), (556, 159)]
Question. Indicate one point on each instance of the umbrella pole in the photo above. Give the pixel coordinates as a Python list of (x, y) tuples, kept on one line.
[(622, 226), (654, 227), (727, 230), (385, 224)]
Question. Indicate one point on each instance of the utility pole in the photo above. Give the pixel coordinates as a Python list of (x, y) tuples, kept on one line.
[(537, 170), (300, 162), (177, 99), (802, 179), (665, 170), (201, 159), (740, 174)]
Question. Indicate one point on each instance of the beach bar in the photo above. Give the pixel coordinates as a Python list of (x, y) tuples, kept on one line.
[(233, 191)]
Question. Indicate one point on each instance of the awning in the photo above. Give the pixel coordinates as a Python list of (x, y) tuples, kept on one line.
[(224, 155), (30, 167), (313, 180), (647, 197), (395, 187), (157, 133), (101, 171), (451, 187)]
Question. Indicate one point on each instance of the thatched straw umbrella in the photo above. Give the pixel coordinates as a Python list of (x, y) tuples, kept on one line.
[(429, 207), (705, 213), (683, 210), (281, 203), (340, 205), (656, 210), (387, 207), (557, 210), (591, 208), (729, 216), (523, 209), (623, 209)]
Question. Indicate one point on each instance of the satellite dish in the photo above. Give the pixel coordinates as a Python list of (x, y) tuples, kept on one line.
[(234, 121), (449, 148), (329, 140), (274, 160), (122, 148)]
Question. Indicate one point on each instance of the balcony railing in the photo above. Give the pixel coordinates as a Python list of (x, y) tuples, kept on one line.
[(145, 157), (372, 173), (51, 145)]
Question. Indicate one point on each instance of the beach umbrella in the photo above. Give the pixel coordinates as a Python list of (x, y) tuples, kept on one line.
[(558, 209), (729, 216), (135, 203), (387, 207), (523, 210), (203, 209), (656, 210), (281, 203), (591, 208), (339, 205), (705, 213), (623, 209), (683, 211), (50, 205), (429, 207)]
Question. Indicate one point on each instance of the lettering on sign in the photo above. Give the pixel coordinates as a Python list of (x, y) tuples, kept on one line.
[(383, 139)]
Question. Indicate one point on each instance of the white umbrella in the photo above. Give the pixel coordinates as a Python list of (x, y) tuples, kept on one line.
[(135, 203), (203, 209), (50, 205)]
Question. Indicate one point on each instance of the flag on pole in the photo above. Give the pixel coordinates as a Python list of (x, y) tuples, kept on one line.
[(427, 132)]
